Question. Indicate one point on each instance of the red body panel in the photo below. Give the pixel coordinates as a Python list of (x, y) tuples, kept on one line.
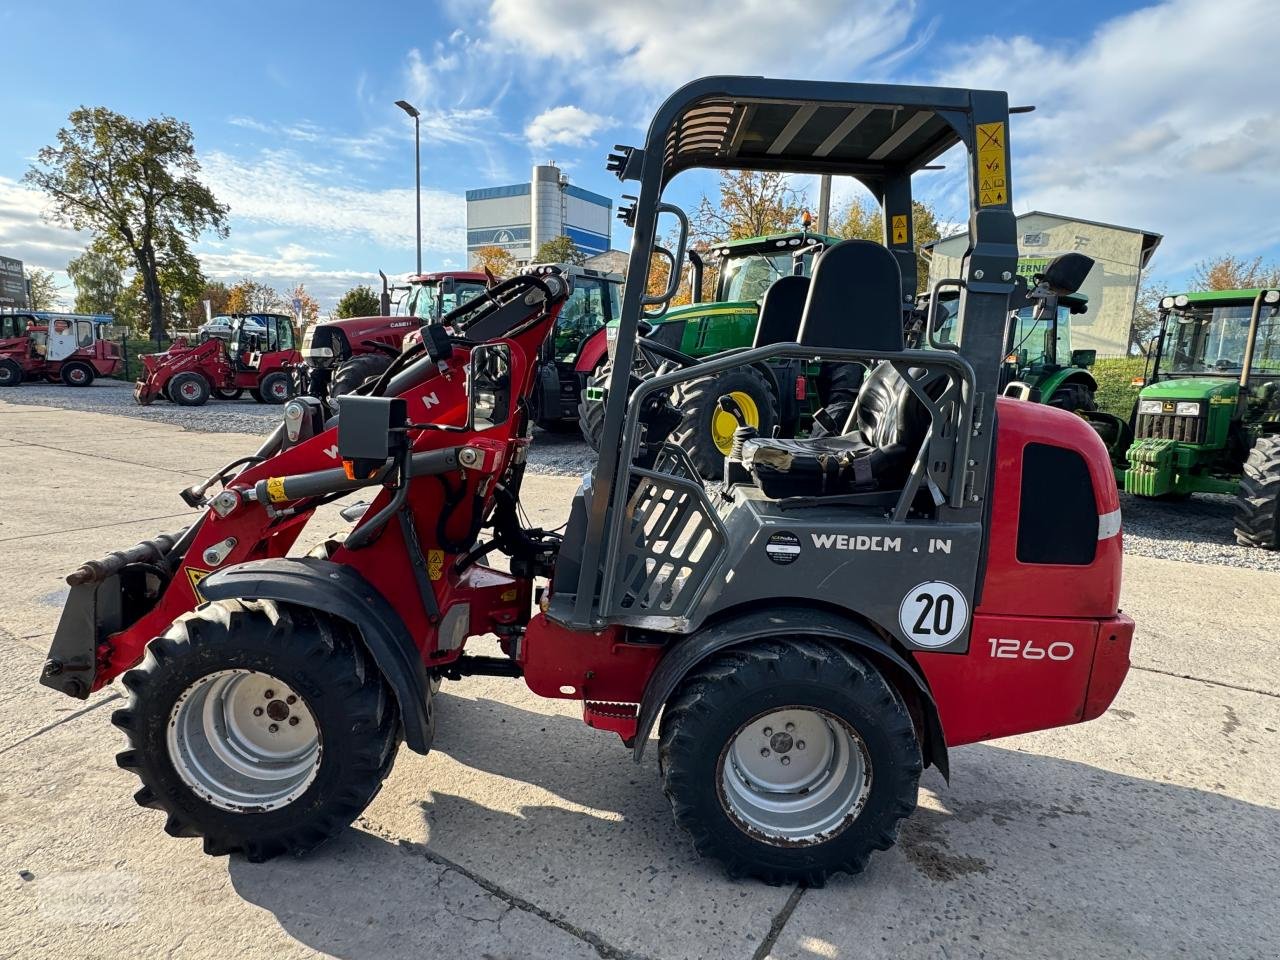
[(210, 360), (103, 356), (593, 352)]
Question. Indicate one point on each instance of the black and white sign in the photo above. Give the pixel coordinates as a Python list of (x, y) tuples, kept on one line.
[(933, 614), (783, 548)]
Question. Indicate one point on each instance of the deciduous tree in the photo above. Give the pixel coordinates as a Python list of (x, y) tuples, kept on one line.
[(99, 281), (310, 307), (864, 220), (134, 184), (250, 296), (359, 301), (751, 203), (42, 290), (559, 250), (498, 261), (1229, 272)]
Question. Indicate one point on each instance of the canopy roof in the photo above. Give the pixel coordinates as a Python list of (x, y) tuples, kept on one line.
[(1222, 297)]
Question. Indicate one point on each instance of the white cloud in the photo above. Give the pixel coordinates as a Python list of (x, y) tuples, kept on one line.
[(567, 126), (1162, 120), (27, 236)]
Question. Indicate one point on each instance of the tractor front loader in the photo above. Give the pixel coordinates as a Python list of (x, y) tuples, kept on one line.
[(803, 638)]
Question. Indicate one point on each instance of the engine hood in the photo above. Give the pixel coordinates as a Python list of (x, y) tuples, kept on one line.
[(1219, 389)]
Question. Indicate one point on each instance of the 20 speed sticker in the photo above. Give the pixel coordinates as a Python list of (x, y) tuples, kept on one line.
[(933, 614), (783, 548)]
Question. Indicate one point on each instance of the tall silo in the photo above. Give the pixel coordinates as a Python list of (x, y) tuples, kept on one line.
[(547, 205)]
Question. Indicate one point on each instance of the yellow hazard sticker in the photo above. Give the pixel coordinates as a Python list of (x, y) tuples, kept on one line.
[(275, 489), (899, 228), (508, 596), (195, 577), (993, 182), (435, 564)]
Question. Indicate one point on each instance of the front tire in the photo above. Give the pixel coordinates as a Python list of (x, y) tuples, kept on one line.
[(188, 390), (1072, 397), (355, 372), (591, 412), (789, 761), (10, 373), (200, 714), (1258, 500), (77, 374), (275, 387), (706, 432)]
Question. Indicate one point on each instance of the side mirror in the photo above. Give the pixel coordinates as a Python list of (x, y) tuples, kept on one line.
[(1066, 273), (435, 339), (488, 385), (1083, 358), (370, 431)]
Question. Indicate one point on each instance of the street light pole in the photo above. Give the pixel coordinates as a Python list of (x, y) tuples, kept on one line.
[(412, 111)]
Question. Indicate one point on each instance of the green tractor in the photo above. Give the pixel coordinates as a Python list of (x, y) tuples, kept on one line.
[(1208, 419), (783, 394)]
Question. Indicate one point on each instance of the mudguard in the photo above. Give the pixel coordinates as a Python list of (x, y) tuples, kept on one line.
[(342, 592), (687, 653)]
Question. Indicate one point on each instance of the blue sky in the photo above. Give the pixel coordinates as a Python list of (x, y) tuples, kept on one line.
[(1155, 116)]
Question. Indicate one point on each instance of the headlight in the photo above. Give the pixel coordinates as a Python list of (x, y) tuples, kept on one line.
[(318, 352), (1271, 296), (1187, 408), (1167, 303), (1149, 406), (1180, 300)]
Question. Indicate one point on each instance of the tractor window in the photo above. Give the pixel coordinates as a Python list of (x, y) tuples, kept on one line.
[(9, 327), (1266, 351), (463, 293), (1032, 342), (748, 277), (84, 334), (284, 334), (586, 310), (1210, 340)]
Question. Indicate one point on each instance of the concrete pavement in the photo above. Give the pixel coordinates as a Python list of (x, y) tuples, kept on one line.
[(1149, 832)]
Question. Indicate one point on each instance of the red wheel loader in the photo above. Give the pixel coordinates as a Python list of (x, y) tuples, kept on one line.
[(258, 357), (68, 348), (803, 637)]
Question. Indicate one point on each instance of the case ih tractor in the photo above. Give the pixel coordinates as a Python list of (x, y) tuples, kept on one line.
[(840, 614), (259, 357), (1208, 419), (769, 394), (65, 348), (341, 354)]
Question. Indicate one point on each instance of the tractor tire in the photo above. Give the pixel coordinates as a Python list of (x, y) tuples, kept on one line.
[(706, 432), (226, 717), (77, 374), (275, 387), (741, 781), (1258, 500), (591, 412), (356, 371), (257, 396), (1072, 397), (10, 373), (222, 393), (189, 390)]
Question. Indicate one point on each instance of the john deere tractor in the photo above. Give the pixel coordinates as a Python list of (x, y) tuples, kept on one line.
[(1208, 419), (768, 394)]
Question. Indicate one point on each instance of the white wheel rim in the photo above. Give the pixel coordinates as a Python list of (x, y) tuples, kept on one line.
[(244, 741), (280, 389), (189, 390), (795, 776)]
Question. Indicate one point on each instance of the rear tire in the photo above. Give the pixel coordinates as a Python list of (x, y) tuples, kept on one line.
[(356, 371), (198, 720), (224, 394), (591, 412), (1072, 397), (275, 387), (10, 373), (188, 390), (1258, 500), (257, 396), (822, 813), (77, 374), (705, 432)]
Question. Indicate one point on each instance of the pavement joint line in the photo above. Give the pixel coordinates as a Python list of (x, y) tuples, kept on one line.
[(1211, 683), (100, 456), (57, 723), (780, 921), (601, 946), (98, 526)]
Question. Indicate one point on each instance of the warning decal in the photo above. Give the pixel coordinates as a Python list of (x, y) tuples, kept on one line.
[(993, 184), (899, 228), (435, 564), (195, 577)]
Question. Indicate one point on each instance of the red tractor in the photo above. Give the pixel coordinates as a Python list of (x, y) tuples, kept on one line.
[(259, 357), (804, 637), (342, 354), (59, 347)]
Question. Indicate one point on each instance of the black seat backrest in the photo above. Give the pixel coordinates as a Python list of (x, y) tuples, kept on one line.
[(780, 311), (855, 299)]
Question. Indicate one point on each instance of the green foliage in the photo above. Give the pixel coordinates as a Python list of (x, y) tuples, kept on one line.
[(250, 296), (559, 250), (42, 291), (359, 301), (99, 281), (1116, 391), (864, 220), (134, 185)]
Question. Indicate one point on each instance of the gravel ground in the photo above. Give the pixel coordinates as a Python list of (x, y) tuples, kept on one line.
[(1196, 531)]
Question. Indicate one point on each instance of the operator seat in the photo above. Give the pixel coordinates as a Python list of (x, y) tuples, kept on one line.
[(781, 311), (854, 302)]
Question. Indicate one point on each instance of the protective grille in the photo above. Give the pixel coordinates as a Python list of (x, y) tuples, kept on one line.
[(1166, 426), (669, 543)]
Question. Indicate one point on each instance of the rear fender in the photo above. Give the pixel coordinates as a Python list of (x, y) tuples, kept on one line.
[(342, 592), (686, 654), (594, 349)]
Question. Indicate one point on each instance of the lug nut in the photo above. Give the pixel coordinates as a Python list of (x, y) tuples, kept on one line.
[(291, 699), (790, 727), (768, 731), (269, 695), (293, 721), (785, 761), (799, 744), (274, 728), (257, 711), (764, 752)]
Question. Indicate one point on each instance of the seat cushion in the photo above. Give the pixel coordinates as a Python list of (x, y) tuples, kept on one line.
[(825, 466)]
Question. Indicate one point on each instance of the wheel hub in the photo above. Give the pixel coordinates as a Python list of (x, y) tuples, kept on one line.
[(724, 423), (244, 741), (794, 776)]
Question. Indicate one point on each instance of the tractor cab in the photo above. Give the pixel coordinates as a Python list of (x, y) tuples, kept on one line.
[(431, 295), (253, 336)]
